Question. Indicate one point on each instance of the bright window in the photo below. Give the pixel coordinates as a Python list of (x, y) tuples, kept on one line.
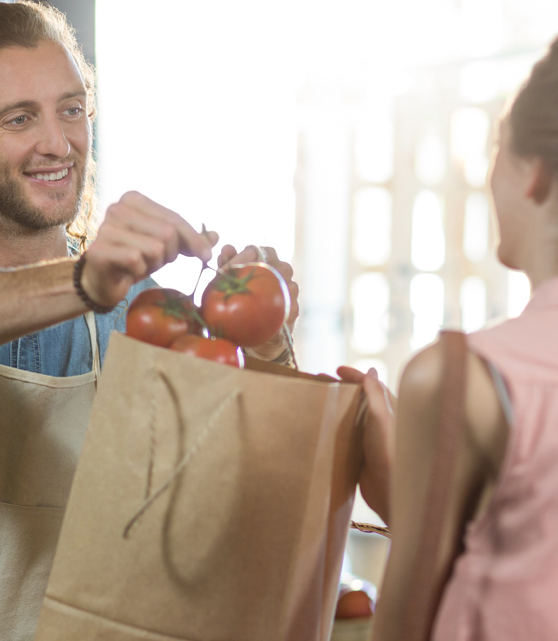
[(427, 305), (372, 226), (428, 249)]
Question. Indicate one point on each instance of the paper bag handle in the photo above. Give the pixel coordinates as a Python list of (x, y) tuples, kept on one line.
[(183, 463)]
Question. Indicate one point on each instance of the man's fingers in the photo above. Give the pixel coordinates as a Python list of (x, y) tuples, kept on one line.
[(128, 226), (155, 252), (190, 242), (294, 309), (137, 237), (251, 254), (110, 271), (284, 269), (228, 252), (199, 245), (271, 258), (270, 255), (116, 258), (248, 255)]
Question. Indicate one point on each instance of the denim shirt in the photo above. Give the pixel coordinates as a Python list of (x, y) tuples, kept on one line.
[(65, 349)]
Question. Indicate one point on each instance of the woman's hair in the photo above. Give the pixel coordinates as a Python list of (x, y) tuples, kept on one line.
[(534, 113), (28, 24)]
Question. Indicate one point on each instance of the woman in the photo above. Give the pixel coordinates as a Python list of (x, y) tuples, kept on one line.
[(504, 498)]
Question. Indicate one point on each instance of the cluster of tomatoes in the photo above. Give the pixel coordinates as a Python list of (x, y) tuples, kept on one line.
[(243, 306)]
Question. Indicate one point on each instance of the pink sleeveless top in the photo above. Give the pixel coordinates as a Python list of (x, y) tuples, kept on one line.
[(505, 585)]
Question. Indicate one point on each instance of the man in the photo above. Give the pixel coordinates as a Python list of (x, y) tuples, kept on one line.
[(48, 377), (50, 135)]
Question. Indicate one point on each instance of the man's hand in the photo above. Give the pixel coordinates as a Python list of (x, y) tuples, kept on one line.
[(137, 237), (276, 345), (378, 439)]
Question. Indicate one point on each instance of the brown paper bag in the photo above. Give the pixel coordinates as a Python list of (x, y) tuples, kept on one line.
[(209, 504)]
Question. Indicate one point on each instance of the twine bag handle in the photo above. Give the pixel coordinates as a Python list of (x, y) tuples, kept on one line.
[(210, 426), (424, 597)]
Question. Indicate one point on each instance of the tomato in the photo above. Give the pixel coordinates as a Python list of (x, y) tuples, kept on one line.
[(158, 316), (354, 604), (213, 349), (156, 294), (247, 304)]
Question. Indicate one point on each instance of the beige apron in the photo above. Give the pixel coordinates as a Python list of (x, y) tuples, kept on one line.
[(42, 425)]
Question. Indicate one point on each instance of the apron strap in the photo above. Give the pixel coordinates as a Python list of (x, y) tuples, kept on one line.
[(91, 326)]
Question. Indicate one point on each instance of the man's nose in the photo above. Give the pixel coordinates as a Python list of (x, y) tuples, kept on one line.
[(52, 139)]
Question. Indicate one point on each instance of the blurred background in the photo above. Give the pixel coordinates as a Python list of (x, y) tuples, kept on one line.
[(354, 136)]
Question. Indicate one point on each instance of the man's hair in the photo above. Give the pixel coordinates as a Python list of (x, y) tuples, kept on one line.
[(28, 24)]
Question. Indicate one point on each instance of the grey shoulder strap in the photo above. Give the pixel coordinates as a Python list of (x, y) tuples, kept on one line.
[(502, 392)]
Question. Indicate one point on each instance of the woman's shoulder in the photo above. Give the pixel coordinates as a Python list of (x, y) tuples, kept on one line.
[(422, 387)]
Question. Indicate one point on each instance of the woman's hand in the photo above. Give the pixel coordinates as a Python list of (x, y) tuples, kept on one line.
[(378, 439)]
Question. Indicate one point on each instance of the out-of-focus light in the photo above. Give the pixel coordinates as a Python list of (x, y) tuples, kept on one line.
[(374, 147), (476, 227), (469, 133), (430, 158), (427, 305), (475, 169), (372, 226), (370, 301), (513, 72), (220, 146), (519, 292), (479, 82), (473, 303), (482, 27), (428, 245)]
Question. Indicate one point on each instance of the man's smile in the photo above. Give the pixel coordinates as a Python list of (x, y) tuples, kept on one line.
[(51, 176)]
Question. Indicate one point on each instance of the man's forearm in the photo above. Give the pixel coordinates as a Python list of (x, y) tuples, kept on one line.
[(35, 297)]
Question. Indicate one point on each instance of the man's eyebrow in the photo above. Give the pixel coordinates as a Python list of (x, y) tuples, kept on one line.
[(22, 104), (31, 104), (73, 94)]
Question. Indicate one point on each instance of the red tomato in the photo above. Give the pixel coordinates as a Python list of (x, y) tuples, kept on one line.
[(213, 349), (158, 316), (156, 294), (354, 604), (247, 304)]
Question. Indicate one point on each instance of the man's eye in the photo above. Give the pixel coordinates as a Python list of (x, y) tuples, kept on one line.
[(19, 120), (74, 111)]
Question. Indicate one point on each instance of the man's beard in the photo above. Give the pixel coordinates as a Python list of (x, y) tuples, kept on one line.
[(16, 207)]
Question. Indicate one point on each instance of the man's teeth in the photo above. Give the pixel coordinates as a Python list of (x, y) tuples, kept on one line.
[(52, 176)]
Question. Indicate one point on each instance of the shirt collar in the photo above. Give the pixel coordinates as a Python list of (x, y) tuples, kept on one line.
[(545, 295)]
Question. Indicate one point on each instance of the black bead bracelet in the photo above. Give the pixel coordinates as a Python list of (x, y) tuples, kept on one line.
[(78, 270)]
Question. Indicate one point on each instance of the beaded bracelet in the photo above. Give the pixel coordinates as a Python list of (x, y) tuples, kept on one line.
[(78, 270)]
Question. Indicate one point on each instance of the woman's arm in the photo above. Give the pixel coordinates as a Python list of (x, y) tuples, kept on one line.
[(416, 425)]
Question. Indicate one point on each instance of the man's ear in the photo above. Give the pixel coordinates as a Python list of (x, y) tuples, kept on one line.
[(541, 182)]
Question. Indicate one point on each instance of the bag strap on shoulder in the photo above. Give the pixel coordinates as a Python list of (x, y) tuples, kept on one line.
[(424, 597)]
